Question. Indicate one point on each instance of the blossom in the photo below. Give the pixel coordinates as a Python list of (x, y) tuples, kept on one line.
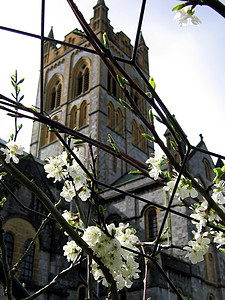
[(184, 188), (68, 191), (197, 248), (12, 149), (155, 165), (56, 167), (85, 193), (185, 16), (108, 247), (219, 239)]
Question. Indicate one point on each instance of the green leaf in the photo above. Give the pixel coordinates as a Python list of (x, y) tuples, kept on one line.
[(53, 130), (222, 250), (122, 81), (223, 169), (173, 145), (178, 136), (125, 104), (3, 173), (105, 40), (158, 119), (112, 142), (101, 209), (3, 201), (148, 137), (21, 98), (77, 141), (113, 232), (152, 82), (179, 6), (135, 172), (21, 80), (218, 172), (20, 126)]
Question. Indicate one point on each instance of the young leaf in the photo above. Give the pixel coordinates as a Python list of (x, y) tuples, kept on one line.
[(152, 82), (125, 104), (122, 81), (148, 137), (112, 142), (135, 172), (105, 40), (173, 145), (179, 6)]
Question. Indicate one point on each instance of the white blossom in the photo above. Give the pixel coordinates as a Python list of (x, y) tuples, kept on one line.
[(56, 167), (11, 151), (155, 164), (185, 16), (68, 192)]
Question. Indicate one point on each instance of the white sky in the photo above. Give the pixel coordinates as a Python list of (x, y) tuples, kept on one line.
[(187, 63)]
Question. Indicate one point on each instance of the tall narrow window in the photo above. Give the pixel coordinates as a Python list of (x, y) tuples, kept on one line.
[(110, 115), (83, 114), (82, 292), (111, 85), (210, 267), (134, 132), (151, 224), (81, 80), (52, 136), (27, 265), (141, 139), (73, 117), (119, 121), (44, 135), (208, 169), (9, 242), (53, 93)]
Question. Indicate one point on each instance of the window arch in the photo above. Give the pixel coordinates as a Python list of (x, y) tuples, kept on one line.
[(46, 135), (9, 242), (80, 78), (81, 292), (110, 115), (210, 267), (141, 139), (83, 120), (134, 132), (27, 265), (207, 169), (151, 223), (210, 297), (111, 85), (53, 94), (73, 117), (119, 121)]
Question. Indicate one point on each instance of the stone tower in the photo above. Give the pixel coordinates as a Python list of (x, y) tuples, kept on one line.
[(80, 92)]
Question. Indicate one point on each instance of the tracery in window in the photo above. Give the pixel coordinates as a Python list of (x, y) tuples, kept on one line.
[(151, 223), (53, 94), (80, 78), (83, 120), (9, 242), (27, 265)]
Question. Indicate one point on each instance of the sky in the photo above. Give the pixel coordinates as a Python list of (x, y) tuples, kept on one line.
[(187, 63)]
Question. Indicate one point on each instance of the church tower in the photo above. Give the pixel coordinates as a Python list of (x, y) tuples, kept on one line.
[(81, 93)]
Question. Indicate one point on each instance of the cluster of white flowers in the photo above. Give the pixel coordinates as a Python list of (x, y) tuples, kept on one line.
[(155, 163), (120, 262), (203, 214), (61, 168), (184, 189), (11, 151), (185, 16)]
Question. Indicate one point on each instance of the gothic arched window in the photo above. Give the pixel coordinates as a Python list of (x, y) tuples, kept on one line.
[(46, 135), (141, 139), (73, 117), (207, 169), (111, 85), (80, 78), (151, 223), (119, 121), (81, 292), (83, 120), (9, 242), (210, 267), (110, 115), (27, 265), (53, 94), (134, 132)]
